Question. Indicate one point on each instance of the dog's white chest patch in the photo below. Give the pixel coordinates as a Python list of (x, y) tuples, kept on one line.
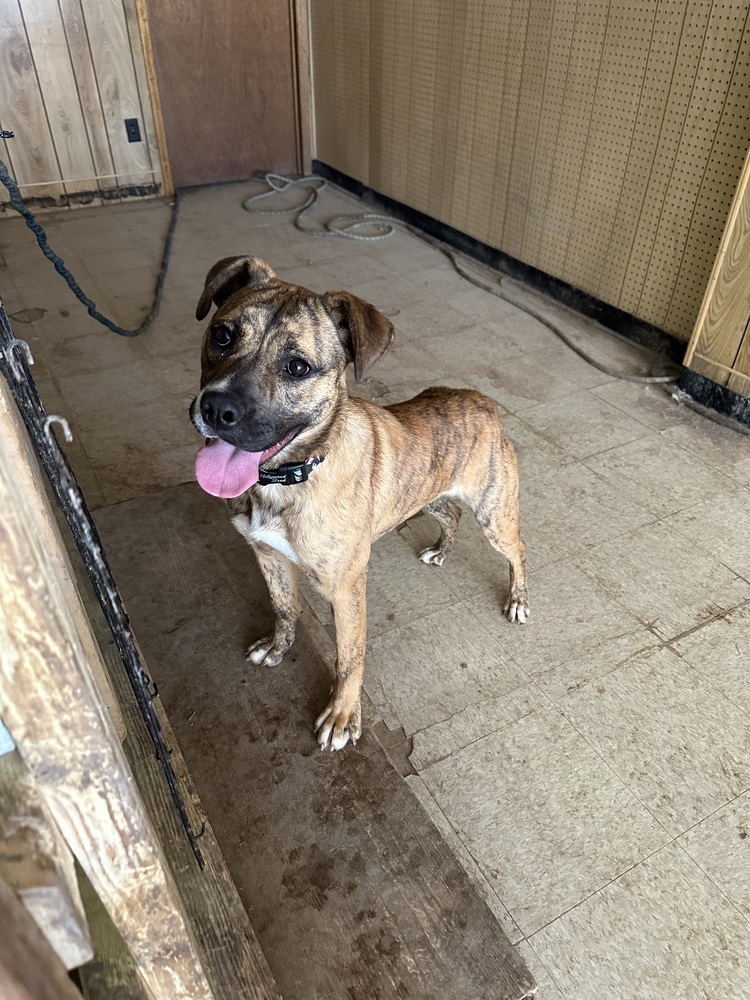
[(253, 531)]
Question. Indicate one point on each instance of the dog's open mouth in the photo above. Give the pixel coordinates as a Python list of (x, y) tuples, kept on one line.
[(225, 471)]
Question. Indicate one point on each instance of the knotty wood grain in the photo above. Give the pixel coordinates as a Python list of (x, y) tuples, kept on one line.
[(51, 704), (29, 969), (721, 327), (36, 862)]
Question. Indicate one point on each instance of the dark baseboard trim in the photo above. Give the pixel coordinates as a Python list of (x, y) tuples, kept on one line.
[(716, 397), (613, 318)]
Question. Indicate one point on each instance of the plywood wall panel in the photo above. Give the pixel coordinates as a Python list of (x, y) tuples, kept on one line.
[(538, 26), (76, 36), (486, 117), (540, 214), (598, 140), (32, 158), (727, 76), (720, 345), (609, 140), (584, 65), (113, 64), (639, 198), (58, 91), (71, 72)]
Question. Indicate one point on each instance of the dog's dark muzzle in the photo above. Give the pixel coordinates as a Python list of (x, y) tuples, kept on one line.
[(235, 419), (222, 411)]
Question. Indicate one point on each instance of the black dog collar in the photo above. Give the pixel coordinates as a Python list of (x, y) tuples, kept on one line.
[(290, 473)]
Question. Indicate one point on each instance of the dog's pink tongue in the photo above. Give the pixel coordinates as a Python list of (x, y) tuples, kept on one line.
[(225, 471)]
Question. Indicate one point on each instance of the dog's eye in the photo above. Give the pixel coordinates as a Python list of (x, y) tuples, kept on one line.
[(297, 367), (221, 336)]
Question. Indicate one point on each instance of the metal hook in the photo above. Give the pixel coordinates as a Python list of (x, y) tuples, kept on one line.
[(53, 418), (11, 358)]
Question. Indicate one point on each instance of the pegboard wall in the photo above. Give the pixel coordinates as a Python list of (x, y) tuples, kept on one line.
[(598, 141)]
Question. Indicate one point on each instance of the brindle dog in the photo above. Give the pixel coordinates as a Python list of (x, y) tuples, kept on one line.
[(275, 406)]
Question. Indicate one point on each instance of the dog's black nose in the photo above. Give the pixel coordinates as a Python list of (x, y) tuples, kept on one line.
[(221, 410)]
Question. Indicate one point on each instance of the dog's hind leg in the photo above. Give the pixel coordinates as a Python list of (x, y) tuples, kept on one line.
[(498, 515), (282, 581), (447, 515)]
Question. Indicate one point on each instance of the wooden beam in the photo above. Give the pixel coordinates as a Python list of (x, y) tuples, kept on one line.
[(723, 317), (299, 16), (153, 89), (29, 968), (54, 711), (37, 864)]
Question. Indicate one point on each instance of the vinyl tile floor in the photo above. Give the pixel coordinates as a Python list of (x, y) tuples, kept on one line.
[(590, 769)]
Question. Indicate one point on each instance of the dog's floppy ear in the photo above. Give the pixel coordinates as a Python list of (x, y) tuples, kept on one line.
[(228, 276), (364, 331)]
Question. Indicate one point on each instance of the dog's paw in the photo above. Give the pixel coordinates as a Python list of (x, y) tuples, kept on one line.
[(433, 557), (265, 653), (336, 728), (517, 610)]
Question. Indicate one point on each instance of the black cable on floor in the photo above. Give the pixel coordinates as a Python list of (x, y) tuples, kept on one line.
[(17, 203)]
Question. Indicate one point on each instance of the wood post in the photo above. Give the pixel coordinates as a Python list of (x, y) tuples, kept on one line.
[(54, 710), (37, 864), (29, 968)]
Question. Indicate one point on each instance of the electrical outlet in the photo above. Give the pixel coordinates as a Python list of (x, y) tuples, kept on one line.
[(132, 130)]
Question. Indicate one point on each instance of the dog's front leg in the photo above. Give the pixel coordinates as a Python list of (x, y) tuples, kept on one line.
[(342, 719), (282, 581)]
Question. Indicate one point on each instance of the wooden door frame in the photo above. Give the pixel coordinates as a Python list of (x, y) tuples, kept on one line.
[(299, 18), (300, 52)]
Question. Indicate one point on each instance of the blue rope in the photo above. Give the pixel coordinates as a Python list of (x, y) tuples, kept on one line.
[(17, 203)]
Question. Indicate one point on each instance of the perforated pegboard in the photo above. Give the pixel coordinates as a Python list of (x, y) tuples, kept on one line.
[(599, 140)]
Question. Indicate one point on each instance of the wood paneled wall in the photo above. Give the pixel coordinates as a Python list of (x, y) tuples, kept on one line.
[(720, 345), (598, 140), (71, 71)]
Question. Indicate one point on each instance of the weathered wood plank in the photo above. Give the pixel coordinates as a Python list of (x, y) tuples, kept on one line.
[(88, 92), (140, 34), (115, 73), (51, 704), (112, 973), (57, 85), (32, 157), (723, 317), (351, 890), (36, 862), (230, 952), (29, 968)]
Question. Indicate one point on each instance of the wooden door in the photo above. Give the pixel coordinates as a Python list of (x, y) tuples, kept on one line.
[(225, 70)]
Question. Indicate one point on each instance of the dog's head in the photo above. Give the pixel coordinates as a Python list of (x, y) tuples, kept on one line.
[(273, 369)]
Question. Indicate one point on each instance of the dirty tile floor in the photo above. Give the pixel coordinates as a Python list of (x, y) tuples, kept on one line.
[(591, 770)]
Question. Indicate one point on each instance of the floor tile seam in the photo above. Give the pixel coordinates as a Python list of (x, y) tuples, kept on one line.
[(719, 616), (574, 906), (574, 390), (576, 554), (727, 899), (708, 815), (691, 457), (417, 617), (599, 677), (709, 465), (612, 769), (464, 604), (606, 478), (468, 851), (492, 732), (632, 791), (539, 996)]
